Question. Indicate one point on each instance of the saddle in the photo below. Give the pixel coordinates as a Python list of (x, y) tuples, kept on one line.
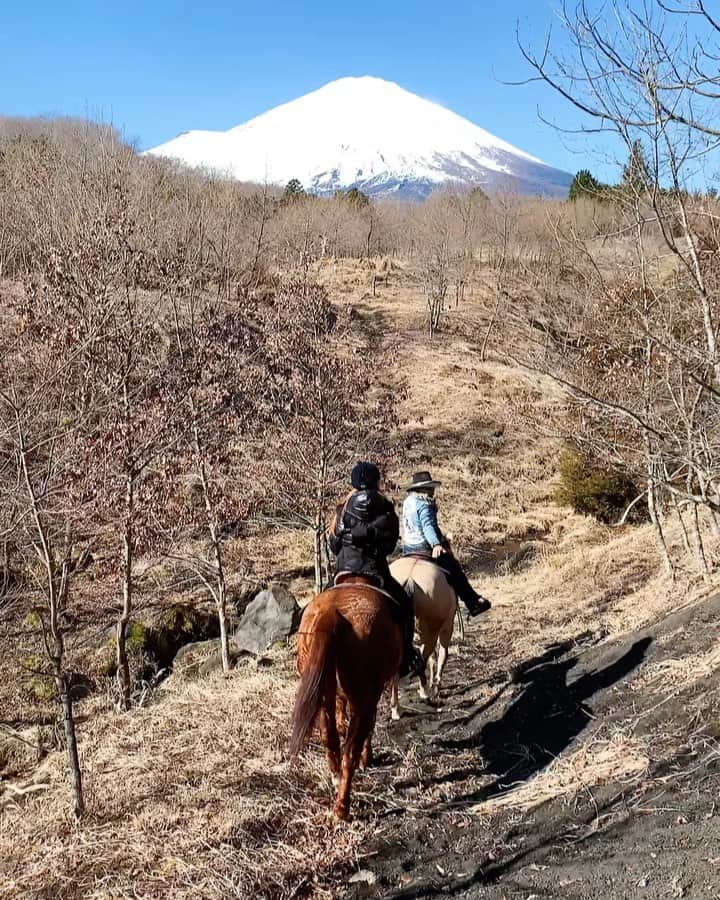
[(352, 579), (424, 556)]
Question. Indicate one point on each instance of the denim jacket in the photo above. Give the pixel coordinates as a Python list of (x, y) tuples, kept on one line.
[(420, 525)]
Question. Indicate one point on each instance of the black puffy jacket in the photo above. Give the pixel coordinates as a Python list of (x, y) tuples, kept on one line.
[(366, 532)]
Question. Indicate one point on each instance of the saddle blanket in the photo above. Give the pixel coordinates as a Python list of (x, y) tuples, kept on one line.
[(375, 587)]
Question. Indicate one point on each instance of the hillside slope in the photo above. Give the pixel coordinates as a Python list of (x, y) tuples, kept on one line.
[(576, 736)]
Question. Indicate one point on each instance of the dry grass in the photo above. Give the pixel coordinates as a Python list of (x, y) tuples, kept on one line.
[(602, 761), (672, 676), (189, 797)]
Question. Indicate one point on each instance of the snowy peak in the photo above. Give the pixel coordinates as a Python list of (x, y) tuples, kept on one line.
[(366, 133)]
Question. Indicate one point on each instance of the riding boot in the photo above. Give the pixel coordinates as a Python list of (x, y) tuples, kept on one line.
[(412, 661), (474, 602)]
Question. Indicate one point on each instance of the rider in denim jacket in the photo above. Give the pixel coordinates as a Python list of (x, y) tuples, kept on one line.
[(422, 536)]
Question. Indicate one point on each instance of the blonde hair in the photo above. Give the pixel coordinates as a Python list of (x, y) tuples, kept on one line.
[(339, 511)]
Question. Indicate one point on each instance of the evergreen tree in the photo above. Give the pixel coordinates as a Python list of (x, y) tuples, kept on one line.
[(294, 190), (353, 196), (636, 174), (357, 198), (478, 195), (584, 184)]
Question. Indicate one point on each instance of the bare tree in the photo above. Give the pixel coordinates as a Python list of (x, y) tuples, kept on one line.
[(217, 387), (44, 422), (326, 407), (648, 82)]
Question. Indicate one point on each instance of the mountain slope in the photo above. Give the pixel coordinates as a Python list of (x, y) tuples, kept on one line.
[(370, 134)]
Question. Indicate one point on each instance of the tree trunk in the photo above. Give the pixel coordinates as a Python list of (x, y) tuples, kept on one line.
[(123, 665), (224, 639), (369, 236), (58, 588), (700, 557), (320, 489), (683, 526), (654, 518), (327, 560), (491, 323), (221, 586), (317, 554), (63, 689)]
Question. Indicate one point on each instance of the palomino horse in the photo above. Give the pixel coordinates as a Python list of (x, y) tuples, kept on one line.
[(435, 607), (350, 647)]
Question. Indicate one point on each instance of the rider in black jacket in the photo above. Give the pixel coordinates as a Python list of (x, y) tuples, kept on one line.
[(366, 530)]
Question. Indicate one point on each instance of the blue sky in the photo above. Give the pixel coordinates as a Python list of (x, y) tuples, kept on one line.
[(158, 68)]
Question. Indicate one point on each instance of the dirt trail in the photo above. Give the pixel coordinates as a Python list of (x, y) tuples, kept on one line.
[(506, 726)]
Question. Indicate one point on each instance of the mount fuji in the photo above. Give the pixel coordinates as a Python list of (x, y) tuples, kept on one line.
[(369, 134)]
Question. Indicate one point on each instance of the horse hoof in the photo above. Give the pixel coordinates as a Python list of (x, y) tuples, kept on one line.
[(395, 715), (341, 813)]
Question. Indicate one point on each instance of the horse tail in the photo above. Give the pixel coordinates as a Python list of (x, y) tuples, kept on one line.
[(317, 683), (410, 588)]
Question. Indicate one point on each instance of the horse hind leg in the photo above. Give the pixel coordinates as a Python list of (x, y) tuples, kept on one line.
[(442, 659), (366, 757), (395, 699), (359, 730), (428, 648), (331, 740), (337, 727), (444, 639)]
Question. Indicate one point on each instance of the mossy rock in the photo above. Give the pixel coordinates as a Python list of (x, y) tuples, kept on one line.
[(35, 663), (200, 658), (138, 637), (153, 648), (184, 618), (269, 619), (39, 690), (32, 621)]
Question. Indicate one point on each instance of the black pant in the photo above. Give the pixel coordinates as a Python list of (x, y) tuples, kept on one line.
[(457, 578)]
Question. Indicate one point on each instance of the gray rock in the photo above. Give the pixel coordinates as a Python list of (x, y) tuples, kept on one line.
[(269, 619)]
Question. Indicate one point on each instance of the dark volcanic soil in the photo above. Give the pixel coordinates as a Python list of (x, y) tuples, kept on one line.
[(655, 835)]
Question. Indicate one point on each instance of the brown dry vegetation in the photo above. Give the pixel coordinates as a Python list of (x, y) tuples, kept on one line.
[(190, 794)]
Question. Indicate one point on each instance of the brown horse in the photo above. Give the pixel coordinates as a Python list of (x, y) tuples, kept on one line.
[(350, 647)]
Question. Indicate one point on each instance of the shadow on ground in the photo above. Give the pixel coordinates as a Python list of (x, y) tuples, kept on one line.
[(542, 719)]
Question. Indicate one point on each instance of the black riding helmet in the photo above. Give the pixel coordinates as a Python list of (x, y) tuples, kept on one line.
[(365, 475)]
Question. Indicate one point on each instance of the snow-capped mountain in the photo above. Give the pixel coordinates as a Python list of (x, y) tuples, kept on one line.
[(370, 134)]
